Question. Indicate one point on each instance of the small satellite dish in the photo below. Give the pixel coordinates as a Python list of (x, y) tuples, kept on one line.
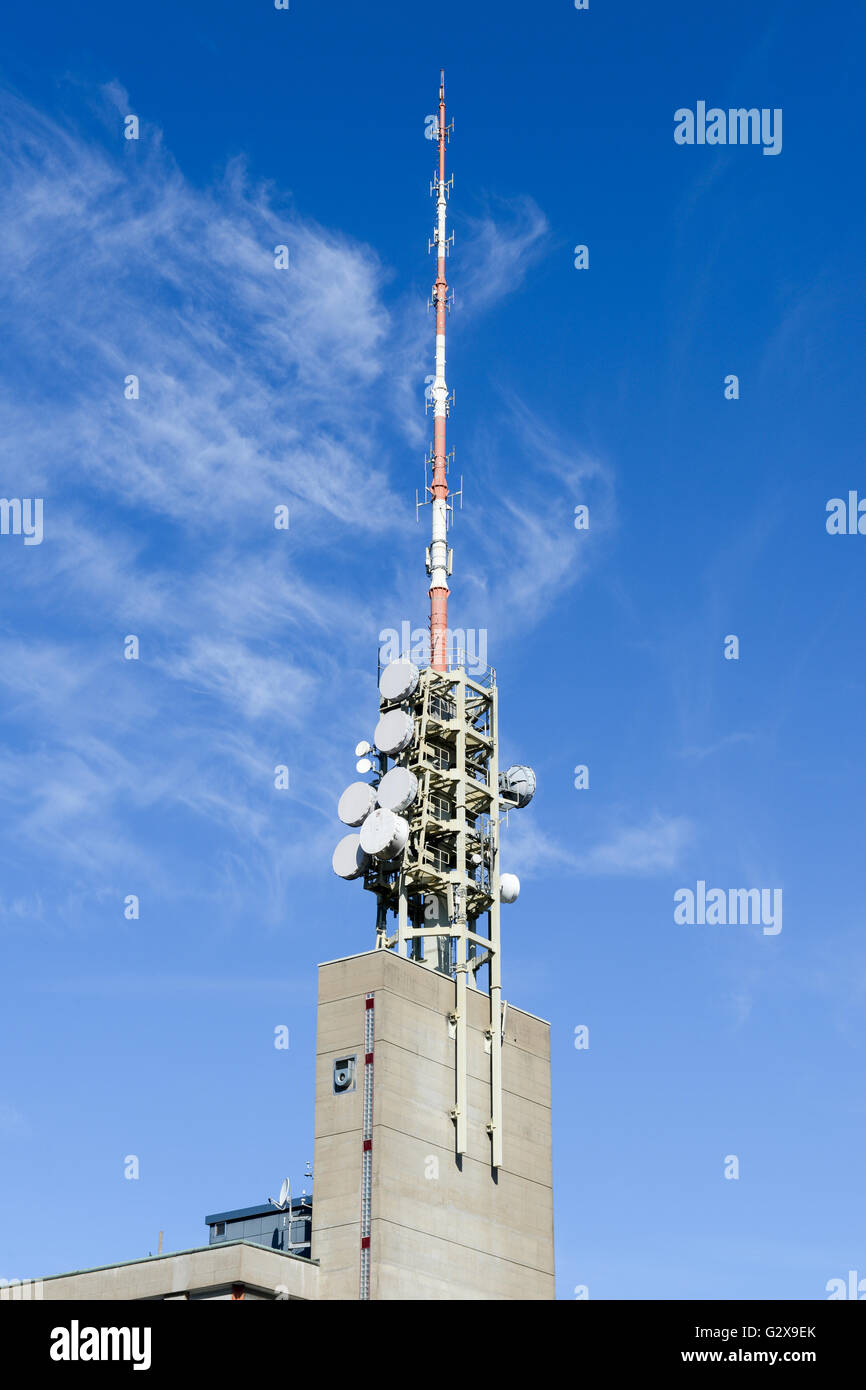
[(399, 680), (362, 748), (397, 789), (357, 801), (349, 860), (517, 785), (394, 732), (384, 834), (285, 1191), (363, 765), (509, 888)]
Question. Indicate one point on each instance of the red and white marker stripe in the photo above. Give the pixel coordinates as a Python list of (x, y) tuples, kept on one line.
[(439, 548), (367, 1149)]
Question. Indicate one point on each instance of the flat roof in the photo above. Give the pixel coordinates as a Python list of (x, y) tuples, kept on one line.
[(172, 1254), (242, 1213), (375, 951)]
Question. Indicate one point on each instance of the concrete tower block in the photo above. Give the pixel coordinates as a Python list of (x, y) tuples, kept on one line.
[(440, 1228)]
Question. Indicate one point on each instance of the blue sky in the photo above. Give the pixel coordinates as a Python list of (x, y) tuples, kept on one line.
[(605, 387)]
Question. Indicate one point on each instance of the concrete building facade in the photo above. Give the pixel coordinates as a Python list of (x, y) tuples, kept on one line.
[(396, 1214)]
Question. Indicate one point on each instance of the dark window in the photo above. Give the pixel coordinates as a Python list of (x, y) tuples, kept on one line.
[(441, 708), (441, 806), (439, 859), (439, 755)]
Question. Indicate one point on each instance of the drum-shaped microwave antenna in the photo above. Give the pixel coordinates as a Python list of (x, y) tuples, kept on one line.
[(394, 732), (399, 680), (363, 765), (384, 834), (357, 801), (509, 888), (397, 789), (348, 859), (362, 748), (517, 785)]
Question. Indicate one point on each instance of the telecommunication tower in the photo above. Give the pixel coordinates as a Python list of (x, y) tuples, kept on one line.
[(426, 820)]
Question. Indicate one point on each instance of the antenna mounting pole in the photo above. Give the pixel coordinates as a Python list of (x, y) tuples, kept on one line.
[(439, 547)]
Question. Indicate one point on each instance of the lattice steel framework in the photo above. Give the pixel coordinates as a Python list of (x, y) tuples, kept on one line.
[(444, 892)]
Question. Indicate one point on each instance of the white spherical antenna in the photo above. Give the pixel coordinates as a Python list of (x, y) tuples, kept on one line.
[(362, 748), (394, 732), (397, 789), (357, 801), (363, 765), (517, 784), (349, 860), (384, 834), (399, 680), (509, 888)]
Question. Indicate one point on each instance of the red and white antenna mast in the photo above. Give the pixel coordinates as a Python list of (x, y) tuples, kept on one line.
[(428, 822), (438, 564)]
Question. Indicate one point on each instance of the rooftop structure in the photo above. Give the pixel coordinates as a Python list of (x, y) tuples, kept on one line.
[(287, 1230)]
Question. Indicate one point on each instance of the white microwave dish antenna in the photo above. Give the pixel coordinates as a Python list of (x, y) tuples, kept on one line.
[(384, 834), (509, 888), (349, 860), (397, 790), (399, 680), (356, 803), (394, 732), (517, 783)]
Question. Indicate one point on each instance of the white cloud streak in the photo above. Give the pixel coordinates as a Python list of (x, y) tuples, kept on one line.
[(257, 386), (654, 847)]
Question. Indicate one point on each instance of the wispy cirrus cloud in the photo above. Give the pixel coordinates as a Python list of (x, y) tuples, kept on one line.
[(501, 249), (656, 846), (257, 387)]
